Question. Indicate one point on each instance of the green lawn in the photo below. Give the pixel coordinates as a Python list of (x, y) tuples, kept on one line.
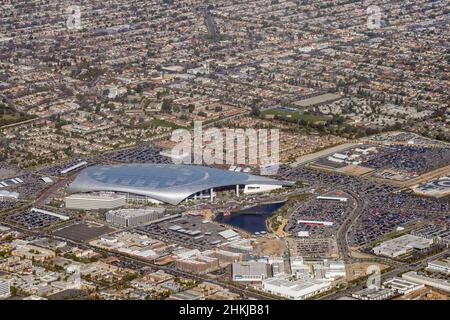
[(9, 116), (293, 115)]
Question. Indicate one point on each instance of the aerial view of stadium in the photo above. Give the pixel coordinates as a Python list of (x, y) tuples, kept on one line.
[(168, 183), (221, 158)]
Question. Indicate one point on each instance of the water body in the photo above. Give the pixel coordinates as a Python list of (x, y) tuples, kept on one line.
[(252, 219)]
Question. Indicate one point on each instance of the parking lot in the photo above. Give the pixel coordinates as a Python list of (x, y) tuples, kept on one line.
[(29, 187), (313, 247), (319, 210), (83, 232), (386, 212), (330, 180), (33, 220), (388, 207), (54, 170), (203, 235), (410, 159), (6, 205)]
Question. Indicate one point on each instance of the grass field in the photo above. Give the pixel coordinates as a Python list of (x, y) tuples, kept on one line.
[(160, 123), (10, 116), (293, 116)]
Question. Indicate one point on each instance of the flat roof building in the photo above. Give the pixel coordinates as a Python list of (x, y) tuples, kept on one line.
[(5, 289), (341, 199), (11, 196), (402, 286), (74, 167), (198, 264), (250, 271), (402, 245), (134, 217), (95, 201), (374, 294), (440, 265), (298, 289), (440, 284)]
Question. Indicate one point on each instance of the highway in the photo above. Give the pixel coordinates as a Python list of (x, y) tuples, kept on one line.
[(342, 234)]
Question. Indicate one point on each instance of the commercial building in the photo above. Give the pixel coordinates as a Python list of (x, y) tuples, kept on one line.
[(49, 213), (168, 183), (277, 266), (95, 201), (438, 233), (316, 223), (333, 269), (74, 167), (8, 196), (250, 271), (325, 269), (402, 245), (225, 257), (239, 245), (198, 264), (402, 286), (374, 294), (299, 268), (341, 199), (134, 217), (5, 289), (440, 284), (440, 265), (134, 244), (299, 289)]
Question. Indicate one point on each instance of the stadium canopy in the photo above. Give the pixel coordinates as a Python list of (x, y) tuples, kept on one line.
[(167, 183)]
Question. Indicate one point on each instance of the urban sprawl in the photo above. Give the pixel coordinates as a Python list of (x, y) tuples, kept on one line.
[(95, 205)]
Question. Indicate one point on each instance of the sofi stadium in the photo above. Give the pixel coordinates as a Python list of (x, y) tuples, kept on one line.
[(166, 183)]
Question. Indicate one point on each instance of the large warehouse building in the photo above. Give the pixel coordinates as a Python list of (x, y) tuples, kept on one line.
[(168, 183)]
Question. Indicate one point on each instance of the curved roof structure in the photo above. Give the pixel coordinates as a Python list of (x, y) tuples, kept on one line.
[(168, 183)]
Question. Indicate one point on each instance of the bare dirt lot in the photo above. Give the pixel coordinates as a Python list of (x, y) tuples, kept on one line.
[(270, 247), (360, 269), (354, 170)]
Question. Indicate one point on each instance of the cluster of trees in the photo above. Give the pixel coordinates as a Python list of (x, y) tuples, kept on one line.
[(10, 116)]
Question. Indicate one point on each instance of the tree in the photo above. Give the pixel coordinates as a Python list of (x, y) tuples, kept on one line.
[(255, 112), (167, 106)]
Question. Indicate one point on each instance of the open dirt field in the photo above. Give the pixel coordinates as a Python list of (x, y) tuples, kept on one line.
[(270, 247), (353, 170), (360, 269)]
